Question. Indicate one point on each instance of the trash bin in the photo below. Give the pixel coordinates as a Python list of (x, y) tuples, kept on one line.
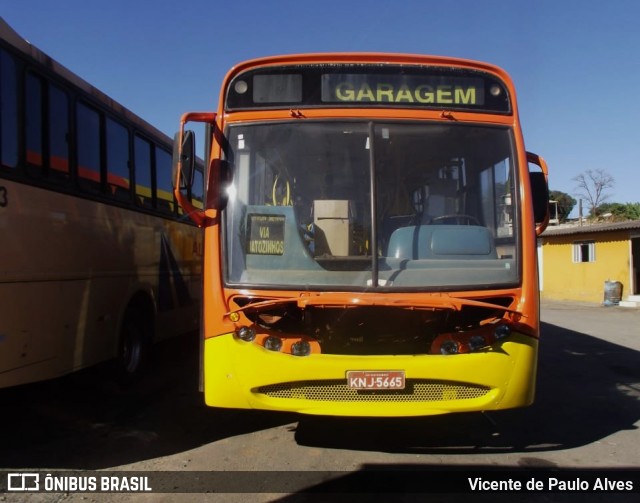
[(612, 293)]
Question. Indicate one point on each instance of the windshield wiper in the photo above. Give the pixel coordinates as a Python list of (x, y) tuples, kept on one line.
[(439, 301)]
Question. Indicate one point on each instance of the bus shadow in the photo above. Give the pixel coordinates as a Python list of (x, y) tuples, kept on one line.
[(88, 421), (587, 389)]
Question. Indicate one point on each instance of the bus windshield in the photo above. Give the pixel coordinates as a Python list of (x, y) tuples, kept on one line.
[(371, 206)]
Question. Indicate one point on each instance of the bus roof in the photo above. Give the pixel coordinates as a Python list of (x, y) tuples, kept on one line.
[(368, 79), (9, 35), (369, 57)]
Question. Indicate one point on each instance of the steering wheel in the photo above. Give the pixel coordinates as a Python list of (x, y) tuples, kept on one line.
[(456, 219)]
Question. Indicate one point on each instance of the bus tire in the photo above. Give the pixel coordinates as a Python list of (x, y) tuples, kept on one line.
[(134, 347)]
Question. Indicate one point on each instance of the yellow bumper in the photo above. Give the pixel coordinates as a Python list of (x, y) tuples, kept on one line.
[(240, 374)]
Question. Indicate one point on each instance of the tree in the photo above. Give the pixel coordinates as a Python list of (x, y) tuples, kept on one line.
[(619, 211), (565, 204), (591, 186)]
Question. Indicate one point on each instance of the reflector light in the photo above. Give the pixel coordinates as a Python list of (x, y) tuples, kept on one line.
[(246, 333), (449, 348), (502, 331), (241, 87), (301, 348), (273, 343)]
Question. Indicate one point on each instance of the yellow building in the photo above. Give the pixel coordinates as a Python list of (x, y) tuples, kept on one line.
[(575, 261)]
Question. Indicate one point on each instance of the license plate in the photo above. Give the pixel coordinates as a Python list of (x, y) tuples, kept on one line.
[(375, 379)]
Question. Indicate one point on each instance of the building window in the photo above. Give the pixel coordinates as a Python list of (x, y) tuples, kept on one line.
[(584, 251)]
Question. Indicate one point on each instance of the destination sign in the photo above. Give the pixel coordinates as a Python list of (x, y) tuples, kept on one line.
[(402, 89), (367, 85), (265, 234)]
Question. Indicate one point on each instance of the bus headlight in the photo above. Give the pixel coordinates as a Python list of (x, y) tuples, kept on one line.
[(449, 348), (247, 334), (301, 348), (479, 338), (273, 343), (477, 342), (502, 331)]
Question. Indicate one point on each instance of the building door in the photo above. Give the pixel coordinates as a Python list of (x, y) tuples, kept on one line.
[(635, 265)]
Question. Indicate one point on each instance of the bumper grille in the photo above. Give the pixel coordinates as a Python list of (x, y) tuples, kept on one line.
[(416, 390)]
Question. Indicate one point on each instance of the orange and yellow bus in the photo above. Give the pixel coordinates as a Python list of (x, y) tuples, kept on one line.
[(370, 237), (96, 259)]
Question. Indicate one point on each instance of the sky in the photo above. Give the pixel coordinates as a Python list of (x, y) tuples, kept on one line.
[(575, 63)]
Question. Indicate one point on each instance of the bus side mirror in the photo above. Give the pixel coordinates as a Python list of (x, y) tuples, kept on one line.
[(184, 159), (184, 168), (539, 192), (184, 165), (540, 196)]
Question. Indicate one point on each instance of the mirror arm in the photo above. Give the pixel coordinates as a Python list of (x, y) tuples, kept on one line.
[(539, 161), (197, 215)]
